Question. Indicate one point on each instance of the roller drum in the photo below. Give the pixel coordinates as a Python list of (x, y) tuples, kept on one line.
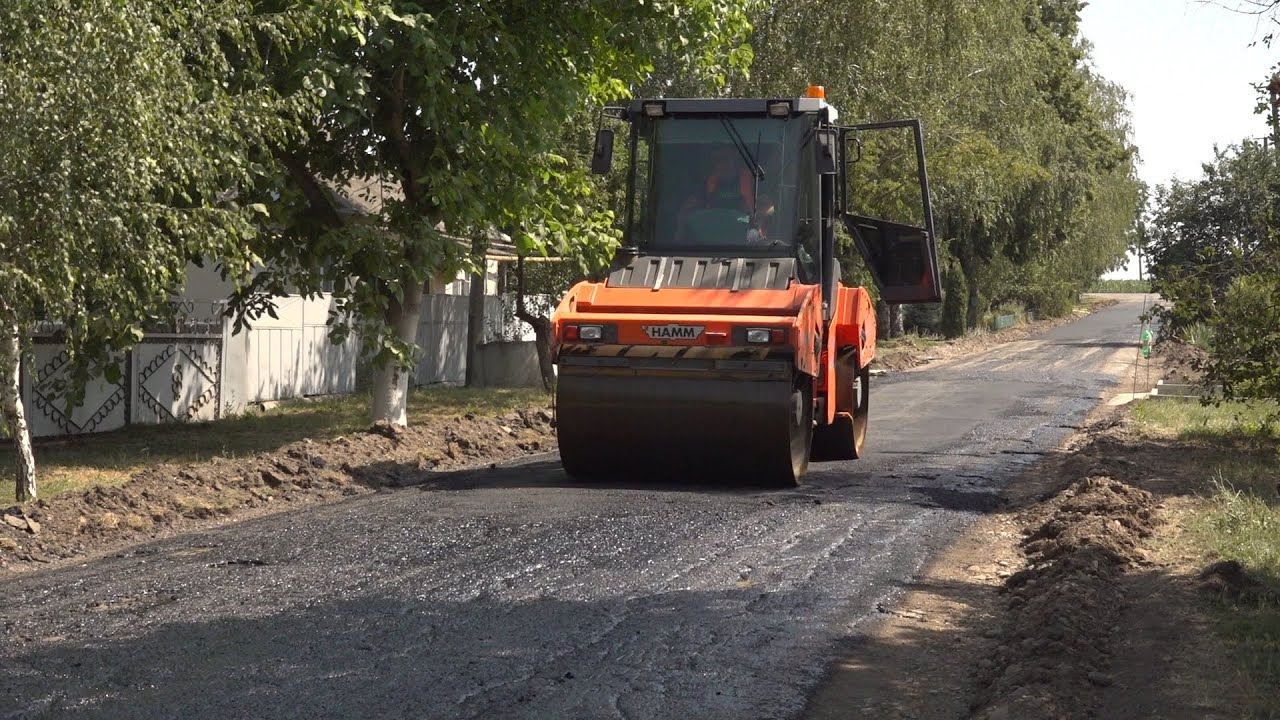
[(743, 428)]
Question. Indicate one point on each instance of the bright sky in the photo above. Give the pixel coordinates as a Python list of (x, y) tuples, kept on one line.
[(1187, 65)]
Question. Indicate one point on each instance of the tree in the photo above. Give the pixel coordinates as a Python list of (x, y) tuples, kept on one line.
[(1030, 158), (454, 110), (1215, 255), (126, 152)]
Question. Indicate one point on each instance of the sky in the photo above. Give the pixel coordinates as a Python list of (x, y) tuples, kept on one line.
[(1187, 65)]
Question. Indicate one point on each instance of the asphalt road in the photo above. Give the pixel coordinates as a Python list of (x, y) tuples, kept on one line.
[(516, 593)]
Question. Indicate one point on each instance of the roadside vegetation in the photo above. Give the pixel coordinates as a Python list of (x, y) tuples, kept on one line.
[(1214, 245), (1234, 527), (1215, 257), (1120, 286)]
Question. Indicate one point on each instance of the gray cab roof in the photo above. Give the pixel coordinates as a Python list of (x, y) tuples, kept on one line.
[(735, 106)]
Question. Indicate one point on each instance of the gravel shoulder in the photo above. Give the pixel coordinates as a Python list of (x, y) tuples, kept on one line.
[(1074, 599), (165, 500)]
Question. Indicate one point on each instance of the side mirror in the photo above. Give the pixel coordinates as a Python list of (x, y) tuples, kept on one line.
[(602, 155)]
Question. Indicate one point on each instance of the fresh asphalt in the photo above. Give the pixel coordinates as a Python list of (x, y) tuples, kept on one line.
[(518, 593)]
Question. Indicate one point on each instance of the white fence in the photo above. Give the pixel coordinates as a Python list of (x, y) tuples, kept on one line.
[(290, 355), (209, 372)]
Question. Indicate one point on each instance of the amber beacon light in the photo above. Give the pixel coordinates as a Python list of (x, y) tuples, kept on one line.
[(816, 91)]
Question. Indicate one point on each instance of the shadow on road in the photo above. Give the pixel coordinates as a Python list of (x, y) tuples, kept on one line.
[(950, 491)]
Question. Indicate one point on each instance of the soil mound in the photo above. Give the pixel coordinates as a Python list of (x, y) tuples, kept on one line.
[(1183, 362), (1062, 608), (168, 498)]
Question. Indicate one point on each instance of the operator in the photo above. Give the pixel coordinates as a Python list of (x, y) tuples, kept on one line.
[(730, 185)]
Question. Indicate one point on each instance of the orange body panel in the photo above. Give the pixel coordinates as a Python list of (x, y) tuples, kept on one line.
[(853, 326), (854, 323), (598, 297), (797, 309)]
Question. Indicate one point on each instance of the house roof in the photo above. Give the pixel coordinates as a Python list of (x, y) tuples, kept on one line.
[(369, 195)]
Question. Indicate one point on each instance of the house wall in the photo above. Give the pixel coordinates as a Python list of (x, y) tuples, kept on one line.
[(205, 371)]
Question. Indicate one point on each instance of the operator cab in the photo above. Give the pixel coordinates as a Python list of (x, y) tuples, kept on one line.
[(744, 193)]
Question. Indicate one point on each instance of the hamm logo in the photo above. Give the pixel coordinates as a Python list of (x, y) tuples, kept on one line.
[(673, 332)]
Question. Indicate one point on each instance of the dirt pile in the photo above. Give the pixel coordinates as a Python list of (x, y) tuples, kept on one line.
[(167, 498), (1181, 361), (1054, 646)]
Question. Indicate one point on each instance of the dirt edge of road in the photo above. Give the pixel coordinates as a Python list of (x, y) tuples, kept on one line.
[(1072, 601), (166, 499)]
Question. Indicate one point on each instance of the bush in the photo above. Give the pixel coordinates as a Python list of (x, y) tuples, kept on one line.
[(1050, 301), (1245, 353), (1127, 285), (923, 319)]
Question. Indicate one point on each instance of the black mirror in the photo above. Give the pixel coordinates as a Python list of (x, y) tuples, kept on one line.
[(826, 153), (602, 155)]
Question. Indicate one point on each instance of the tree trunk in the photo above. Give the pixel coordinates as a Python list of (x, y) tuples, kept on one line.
[(882, 320), (11, 404), (969, 267), (475, 329), (895, 321), (541, 331), (391, 382)]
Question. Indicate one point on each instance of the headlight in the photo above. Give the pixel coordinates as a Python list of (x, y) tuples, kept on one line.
[(758, 336), (591, 332)]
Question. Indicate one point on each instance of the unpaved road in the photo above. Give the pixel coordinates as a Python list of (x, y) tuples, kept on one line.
[(516, 593)]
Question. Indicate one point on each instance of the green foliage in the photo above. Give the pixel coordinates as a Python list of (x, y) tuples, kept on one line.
[(922, 319), (1049, 299), (954, 301), (1246, 339), (1216, 257), (461, 118), (1030, 153), (1120, 286), (132, 128)]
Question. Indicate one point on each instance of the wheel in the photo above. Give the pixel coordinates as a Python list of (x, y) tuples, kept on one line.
[(845, 438), (800, 435), (862, 411)]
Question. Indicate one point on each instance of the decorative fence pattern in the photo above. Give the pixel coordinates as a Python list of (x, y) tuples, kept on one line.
[(167, 377), (195, 369)]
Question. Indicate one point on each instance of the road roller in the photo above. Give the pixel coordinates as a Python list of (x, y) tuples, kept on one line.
[(722, 341)]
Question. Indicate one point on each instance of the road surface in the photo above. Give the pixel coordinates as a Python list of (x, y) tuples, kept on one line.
[(517, 593)]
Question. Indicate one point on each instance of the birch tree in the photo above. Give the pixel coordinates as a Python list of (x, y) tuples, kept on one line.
[(126, 145)]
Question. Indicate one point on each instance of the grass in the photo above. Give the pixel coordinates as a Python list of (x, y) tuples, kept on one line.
[(1120, 286), (77, 463), (1199, 335), (1235, 425), (1240, 522), (909, 341)]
